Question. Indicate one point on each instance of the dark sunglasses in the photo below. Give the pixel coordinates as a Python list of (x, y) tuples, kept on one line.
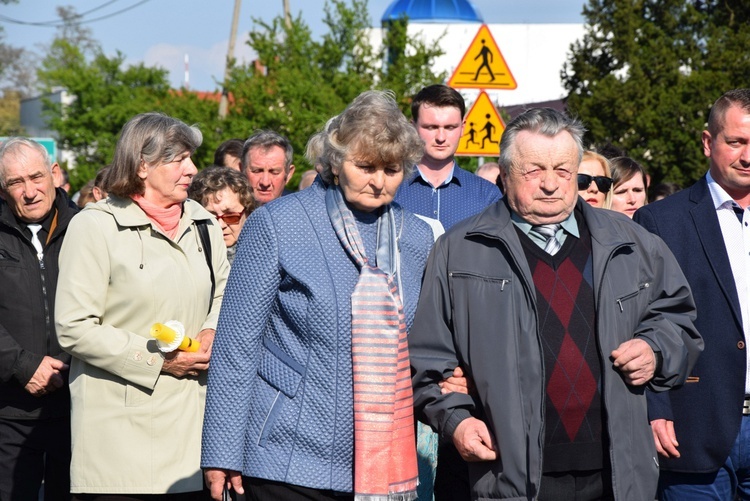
[(602, 182), (230, 217)]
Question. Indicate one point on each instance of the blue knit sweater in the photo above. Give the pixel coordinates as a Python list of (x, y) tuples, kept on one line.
[(279, 402)]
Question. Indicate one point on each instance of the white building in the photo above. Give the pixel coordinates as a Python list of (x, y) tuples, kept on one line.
[(534, 53)]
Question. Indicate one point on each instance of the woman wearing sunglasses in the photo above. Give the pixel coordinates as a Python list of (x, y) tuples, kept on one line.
[(225, 193), (594, 180)]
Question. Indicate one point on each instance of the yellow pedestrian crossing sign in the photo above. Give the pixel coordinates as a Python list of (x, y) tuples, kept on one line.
[(482, 129), (483, 66)]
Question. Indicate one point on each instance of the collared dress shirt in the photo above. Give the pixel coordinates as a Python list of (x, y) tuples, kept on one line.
[(461, 195), (736, 235)]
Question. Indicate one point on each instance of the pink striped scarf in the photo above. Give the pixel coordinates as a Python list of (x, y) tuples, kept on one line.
[(385, 456)]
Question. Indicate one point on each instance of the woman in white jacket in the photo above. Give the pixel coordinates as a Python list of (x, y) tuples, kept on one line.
[(132, 260)]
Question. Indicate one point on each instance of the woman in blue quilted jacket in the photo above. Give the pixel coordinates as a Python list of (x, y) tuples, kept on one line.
[(309, 394)]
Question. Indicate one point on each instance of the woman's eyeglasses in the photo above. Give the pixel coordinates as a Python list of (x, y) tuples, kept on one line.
[(230, 217), (602, 182)]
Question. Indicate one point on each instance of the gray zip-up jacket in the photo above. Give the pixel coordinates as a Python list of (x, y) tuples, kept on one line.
[(477, 309)]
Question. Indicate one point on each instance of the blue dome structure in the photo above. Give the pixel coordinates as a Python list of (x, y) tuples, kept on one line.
[(433, 11)]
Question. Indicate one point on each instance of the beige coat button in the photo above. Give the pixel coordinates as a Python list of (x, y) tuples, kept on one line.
[(151, 360), (740, 345), (137, 356)]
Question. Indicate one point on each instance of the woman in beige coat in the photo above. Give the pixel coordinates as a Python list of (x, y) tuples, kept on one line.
[(129, 261)]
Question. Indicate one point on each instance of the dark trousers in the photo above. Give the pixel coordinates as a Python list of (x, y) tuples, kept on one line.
[(258, 489), (576, 486), (183, 496), (32, 451), (452, 475)]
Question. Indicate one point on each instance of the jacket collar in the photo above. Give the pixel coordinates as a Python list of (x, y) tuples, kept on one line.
[(128, 214), (708, 229), (603, 225), (496, 219)]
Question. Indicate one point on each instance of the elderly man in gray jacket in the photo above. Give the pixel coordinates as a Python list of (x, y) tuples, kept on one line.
[(561, 314)]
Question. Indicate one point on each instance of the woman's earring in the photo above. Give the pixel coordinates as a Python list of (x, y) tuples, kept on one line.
[(336, 180)]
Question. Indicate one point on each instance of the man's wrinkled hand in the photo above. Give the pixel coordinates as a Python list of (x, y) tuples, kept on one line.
[(473, 441), (635, 360), (665, 438), (47, 377)]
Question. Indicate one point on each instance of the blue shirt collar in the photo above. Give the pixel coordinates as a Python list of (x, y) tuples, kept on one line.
[(454, 174)]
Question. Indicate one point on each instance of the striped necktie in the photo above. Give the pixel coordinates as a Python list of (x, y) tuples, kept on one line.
[(548, 231)]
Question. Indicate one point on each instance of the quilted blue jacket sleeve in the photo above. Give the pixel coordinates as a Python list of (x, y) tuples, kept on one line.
[(249, 296)]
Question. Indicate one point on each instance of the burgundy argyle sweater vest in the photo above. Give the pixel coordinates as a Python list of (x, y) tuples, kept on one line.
[(573, 438)]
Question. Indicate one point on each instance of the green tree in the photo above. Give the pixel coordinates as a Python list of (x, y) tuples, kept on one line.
[(409, 63), (298, 83), (647, 71), (294, 87), (13, 83), (106, 94), (104, 97)]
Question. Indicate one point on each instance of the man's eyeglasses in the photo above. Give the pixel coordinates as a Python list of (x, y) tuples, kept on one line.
[(602, 182), (230, 217)]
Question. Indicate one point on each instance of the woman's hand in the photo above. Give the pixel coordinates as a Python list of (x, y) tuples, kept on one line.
[(185, 363), (217, 480), (458, 383)]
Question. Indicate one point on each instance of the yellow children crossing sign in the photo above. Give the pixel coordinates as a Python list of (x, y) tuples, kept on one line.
[(483, 66), (482, 129)]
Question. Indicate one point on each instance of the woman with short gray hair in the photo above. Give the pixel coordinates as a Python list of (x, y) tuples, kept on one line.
[(312, 333)]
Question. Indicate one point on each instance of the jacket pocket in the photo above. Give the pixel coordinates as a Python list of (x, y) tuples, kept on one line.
[(271, 417), (10, 259), (462, 275), (280, 370), (483, 305), (623, 300), (284, 375)]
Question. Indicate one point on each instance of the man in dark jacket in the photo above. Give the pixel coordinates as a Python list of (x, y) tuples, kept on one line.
[(561, 314), (702, 429), (34, 397)]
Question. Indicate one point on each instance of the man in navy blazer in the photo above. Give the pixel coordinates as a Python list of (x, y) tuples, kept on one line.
[(699, 428)]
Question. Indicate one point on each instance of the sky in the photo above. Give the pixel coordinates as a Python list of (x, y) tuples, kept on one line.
[(162, 32)]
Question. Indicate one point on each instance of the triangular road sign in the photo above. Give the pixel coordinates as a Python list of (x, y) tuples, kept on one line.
[(482, 129), (483, 66)]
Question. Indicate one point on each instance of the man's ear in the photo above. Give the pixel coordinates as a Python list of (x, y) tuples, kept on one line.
[(706, 139), (57, 175), (289, 174)]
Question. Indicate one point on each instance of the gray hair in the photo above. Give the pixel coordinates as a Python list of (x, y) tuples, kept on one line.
[(15, 146), (150, 138), (372, 126), (545, 121), (265, 139)]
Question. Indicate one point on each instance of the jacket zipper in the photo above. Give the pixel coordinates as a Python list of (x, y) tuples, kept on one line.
[(599, 351), (501, 281), (45, 301), (532, 297), (632, 294)]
